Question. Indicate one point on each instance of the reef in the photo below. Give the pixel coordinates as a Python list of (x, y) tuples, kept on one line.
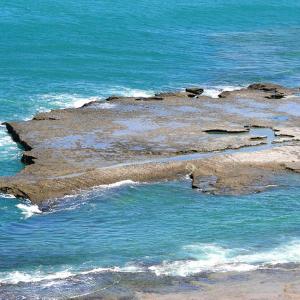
[(235, 143)]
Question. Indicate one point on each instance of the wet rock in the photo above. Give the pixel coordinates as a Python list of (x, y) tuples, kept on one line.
[(90, 104), (113, 97), (258, 138), (145, 140), (149, 98), (266, 87), (229, 130), (293, 166), (206, 184), (171, 94), (28, 159), (44, 116), (244, 173), (276, 95), (224, 94), (194, 90), (16, 136)]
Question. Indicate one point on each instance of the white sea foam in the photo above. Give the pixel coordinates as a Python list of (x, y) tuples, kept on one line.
[(66, 100), (71, 203), (103, 186), (5, 139), (215, 91), (8, 148), (117, 184), (127, 92), (17, 277), (28, 210), (37, 276), (204, 257), (7, 196), (218, 259)]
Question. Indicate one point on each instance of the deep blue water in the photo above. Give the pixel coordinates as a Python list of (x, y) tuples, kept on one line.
[(56, 54)]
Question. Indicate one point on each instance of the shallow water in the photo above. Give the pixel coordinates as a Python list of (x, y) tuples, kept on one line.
[(56, 54), (163, 228)]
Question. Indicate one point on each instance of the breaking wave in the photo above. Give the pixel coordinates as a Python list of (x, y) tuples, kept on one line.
[(203, 258), (7, 196), (117, 184), (127, 92), (213, 258), (28, 210), (65, 100), (215, 91)]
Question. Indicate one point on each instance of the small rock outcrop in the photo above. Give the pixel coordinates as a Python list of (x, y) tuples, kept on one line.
[(194, 90), (224, 94), (266, 87)]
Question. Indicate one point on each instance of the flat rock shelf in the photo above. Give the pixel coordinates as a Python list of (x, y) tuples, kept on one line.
[(236, 143)]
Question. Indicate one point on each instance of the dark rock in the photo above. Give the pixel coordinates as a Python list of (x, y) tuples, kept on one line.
[(16, 137), (224, 94), (204, 183), (266, 87), (92, 103), (191, 95), (258, 138), (170, 94), (149, 98), (227, 130), (194, 90), (27, 159), (276, 95), (113, 97)]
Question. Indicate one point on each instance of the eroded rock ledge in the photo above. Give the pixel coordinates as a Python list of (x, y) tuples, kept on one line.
[(165, 136)]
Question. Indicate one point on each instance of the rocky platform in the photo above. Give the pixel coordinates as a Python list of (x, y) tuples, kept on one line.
[(161, 137)]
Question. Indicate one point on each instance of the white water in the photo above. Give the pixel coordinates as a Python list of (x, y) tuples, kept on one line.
[(128, 92), (217, 259), (216, 90), (7, 196), (64, 100), (28, 210), (203, 258), (117, 184)]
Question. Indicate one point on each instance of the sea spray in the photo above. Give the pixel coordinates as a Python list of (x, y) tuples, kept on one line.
[(212, 258), (28, 210), (215, 91)]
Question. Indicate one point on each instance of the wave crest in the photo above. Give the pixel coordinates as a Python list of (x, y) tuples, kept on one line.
[(28, 210), (204, 258)]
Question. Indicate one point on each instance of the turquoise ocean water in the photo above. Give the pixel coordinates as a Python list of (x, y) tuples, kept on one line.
[(56, 54)]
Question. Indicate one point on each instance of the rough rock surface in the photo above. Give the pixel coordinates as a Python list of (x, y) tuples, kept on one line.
[(145, 138), (245, 172)]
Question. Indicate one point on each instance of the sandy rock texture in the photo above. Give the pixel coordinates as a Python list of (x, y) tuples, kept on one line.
[(164, 136)]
